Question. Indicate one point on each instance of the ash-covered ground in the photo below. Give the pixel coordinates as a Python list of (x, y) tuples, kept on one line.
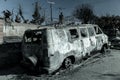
[(99, 67)]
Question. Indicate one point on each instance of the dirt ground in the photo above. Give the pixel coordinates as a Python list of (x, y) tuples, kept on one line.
[(10, 55), (99, 67)]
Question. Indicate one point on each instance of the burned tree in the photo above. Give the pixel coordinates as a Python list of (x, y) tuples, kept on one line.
[(37, 19), (7, 15), (84, 13), (17, 19), (21, 14)]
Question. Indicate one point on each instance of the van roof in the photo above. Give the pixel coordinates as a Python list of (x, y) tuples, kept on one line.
[(65, 26)]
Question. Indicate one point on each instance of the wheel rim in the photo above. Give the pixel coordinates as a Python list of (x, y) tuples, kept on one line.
[(68, 63)]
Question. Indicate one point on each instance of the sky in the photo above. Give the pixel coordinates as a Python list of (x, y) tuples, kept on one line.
[(100, 7)]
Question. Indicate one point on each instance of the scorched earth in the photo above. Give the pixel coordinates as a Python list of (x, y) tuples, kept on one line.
[(100, 67)]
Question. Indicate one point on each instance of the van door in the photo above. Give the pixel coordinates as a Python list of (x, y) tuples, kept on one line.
[(59, 47), (84, 40), (99, 37), (74, 42), (92, 38)]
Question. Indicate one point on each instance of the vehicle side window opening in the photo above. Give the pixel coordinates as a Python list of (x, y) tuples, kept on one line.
[(27, 39), (83, 32), (91, 31), (27, 36), (73, 33), (33, 37), (98, 30)]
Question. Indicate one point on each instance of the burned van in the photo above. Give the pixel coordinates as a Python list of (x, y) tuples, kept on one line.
[(51, 48)]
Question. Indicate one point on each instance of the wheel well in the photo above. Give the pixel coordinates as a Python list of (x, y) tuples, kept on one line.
[(72, 58), (105, 45)]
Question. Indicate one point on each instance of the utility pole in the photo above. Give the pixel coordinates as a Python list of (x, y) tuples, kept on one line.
[(51, 4), (12, 15), (51, 12)]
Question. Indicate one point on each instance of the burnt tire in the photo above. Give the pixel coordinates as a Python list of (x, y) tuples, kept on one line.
[(104, 49), (67, 63)]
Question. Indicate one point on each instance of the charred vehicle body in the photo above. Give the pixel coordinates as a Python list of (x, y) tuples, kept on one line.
[(50, 48)]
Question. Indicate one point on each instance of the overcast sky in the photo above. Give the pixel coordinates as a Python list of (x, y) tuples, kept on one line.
[(100, 7)]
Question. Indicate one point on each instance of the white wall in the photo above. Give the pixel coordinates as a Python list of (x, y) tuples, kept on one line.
[(15, 31)]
